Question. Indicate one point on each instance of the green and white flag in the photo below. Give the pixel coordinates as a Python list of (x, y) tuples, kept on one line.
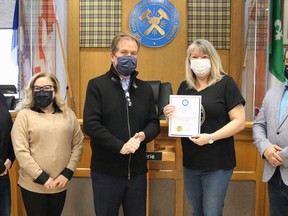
[(276, 53)]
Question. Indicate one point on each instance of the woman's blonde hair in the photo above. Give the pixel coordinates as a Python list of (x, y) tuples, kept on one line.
[(29, 102), (216, 73)]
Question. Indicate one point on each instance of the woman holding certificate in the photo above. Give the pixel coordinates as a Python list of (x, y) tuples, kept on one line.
[(209, 157)]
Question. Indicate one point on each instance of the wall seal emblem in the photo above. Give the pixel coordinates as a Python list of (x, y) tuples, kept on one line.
[(156, 22)]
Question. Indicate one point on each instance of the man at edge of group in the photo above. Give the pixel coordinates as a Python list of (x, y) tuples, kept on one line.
[(120, 118), (7, 157), (270, 136)]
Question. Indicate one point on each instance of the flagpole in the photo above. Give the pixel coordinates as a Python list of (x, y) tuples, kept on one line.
[(65, 65), (26, 39), (244, 55)]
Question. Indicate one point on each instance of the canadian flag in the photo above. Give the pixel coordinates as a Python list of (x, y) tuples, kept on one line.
[(45, 50)]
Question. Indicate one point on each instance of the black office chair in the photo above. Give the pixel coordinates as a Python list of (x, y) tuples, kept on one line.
[(11, 102), (161, 91)]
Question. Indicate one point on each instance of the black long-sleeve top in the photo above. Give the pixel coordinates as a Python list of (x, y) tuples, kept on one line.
[(6, 148), (110, 122)]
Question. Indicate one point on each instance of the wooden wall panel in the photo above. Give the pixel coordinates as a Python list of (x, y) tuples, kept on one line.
[(73, 57), (93, 62), (165, 63), (225, 59), (237, 40)]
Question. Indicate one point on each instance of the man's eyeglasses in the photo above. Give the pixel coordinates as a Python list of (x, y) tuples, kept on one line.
[(45, 88)]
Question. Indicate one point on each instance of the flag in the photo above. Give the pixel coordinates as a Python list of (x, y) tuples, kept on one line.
[(40, 63), (48, 14), (276, 53), (44, 52), (17, 55), (14, 44), (61, 69), (47, 48), (24, 53)]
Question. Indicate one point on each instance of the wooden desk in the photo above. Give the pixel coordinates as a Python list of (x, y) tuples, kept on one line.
[(249, 168)]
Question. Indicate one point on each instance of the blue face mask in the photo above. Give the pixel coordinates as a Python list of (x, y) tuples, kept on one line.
[(126, 65)]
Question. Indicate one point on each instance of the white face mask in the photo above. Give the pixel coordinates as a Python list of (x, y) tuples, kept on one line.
[(201, 67)]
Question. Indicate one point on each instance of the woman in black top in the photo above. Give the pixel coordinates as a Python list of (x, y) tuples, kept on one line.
[(209, 157), (6, 157)]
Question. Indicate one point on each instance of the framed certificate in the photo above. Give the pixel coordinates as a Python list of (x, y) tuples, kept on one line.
[(185, 120)]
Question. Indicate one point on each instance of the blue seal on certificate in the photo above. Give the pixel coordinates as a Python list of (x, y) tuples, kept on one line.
[(156, 22), (185, 102)]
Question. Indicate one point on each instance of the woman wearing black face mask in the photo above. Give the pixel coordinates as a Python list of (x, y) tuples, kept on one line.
[(43, 97), (48, 144)]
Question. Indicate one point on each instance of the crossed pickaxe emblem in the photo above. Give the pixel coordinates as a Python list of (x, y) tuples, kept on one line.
[(154, 21)]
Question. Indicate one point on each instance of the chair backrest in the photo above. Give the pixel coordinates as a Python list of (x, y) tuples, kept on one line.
[(161, 91), (11, 102)]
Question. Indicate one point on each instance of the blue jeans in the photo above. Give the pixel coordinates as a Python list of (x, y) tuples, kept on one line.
[(110, 192), (206, 190), (5, 196), (278, 195)]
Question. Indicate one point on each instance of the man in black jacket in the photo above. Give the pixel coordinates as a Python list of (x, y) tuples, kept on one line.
[(6, 157), (120, 118)]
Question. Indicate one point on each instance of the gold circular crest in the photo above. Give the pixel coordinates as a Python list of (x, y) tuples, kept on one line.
[(179, 128)]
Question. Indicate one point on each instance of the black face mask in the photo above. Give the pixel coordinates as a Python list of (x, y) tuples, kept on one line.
[(43, 98), (286, 71)]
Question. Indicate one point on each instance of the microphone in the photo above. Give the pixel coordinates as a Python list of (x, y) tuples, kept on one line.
[(67, 88)]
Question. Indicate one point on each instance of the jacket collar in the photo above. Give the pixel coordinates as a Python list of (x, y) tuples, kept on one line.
[(114, 76)]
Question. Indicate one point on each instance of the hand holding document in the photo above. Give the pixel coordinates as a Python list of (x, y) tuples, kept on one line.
[(185, 120)]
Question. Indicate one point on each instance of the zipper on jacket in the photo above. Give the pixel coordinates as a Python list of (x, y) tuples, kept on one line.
[(129, 131), (129, 172)]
